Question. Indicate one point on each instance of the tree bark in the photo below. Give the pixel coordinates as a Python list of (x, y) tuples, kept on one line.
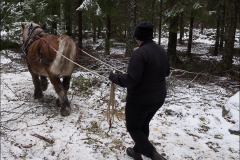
[(130, 42), (181, 29), (172, 40), (94, 32), (80, 36), (231, 25), (215, 52), (62, 24), (222, 25), (99, 28), (69, 19), (54, 28), (107, 38), (160, 23), (202, 28), (190, 36)]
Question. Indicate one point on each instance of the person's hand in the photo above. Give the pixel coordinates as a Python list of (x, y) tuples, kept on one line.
[(111, 75)]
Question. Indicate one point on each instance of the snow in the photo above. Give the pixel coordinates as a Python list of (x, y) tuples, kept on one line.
[(189, 125), (3, 33), (5, 60), (232, 106), (233, 102), (195, 126)]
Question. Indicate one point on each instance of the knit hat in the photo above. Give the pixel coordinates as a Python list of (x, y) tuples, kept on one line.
[(143, 31)]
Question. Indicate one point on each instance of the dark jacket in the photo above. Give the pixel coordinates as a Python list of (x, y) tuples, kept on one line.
[(145, 78)]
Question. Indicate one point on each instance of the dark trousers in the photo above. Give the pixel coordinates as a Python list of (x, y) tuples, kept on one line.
[(138, 118)]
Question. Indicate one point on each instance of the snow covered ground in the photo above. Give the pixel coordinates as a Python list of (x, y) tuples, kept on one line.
[(189, 126)]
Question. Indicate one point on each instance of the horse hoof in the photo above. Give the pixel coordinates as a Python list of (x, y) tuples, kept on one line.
[(38, 96), (65, 111)]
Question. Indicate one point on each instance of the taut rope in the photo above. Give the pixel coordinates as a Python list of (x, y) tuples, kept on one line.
[(102, 62), (111, 111)]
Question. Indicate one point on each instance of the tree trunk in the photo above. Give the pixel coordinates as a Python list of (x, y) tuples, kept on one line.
[(215, 52), (231, 25), (172, 40), (130, 42), (107, 38), (99, 28), (108, 26), (79, 14), (223, 3), (94, 32), (181, 29), (202, 28), (68, 27), (54, 28), (68, 7), (160, 23), (153, 11), (190, 37), (62, 24)]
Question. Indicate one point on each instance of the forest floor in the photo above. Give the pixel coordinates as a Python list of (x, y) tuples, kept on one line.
[(189, 125)]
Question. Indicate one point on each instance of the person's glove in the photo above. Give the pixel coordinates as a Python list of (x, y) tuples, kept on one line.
[(111, 75)]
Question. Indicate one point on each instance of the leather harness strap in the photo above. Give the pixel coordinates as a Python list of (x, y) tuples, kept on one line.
[(29, 41)]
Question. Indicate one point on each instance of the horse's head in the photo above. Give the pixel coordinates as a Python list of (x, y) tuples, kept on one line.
[(30, 30)]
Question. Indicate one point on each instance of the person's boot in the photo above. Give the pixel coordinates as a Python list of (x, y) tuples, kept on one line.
[(134, 155), (157, 156)]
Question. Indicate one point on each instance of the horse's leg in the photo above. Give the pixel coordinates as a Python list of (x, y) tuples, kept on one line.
[(62, 96), (37, 86), (66, 84), (44, 83)]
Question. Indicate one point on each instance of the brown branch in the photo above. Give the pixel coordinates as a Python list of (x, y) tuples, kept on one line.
[(90, 138), (10, 89), (21, 145), (229, 120), (43, 138)]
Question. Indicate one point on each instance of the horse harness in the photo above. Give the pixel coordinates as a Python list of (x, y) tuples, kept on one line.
[(29, 41)]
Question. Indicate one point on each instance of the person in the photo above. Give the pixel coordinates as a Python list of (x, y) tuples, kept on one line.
[(146, 89)]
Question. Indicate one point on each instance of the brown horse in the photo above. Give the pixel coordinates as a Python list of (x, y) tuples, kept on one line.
[(43, 53)]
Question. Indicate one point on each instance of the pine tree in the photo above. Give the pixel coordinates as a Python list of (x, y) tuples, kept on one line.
[(172, 14), (232, 7), (194, 12), (130, 29)]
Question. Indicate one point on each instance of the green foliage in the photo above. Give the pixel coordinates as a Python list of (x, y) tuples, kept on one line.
[(174, 11), (81, 82), (9, 45), (93, 128), (107, 6)]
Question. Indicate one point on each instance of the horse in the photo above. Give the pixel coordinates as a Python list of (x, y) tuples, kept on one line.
[(45, 57)]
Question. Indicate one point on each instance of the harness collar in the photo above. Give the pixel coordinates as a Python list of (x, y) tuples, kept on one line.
[(31, 28)]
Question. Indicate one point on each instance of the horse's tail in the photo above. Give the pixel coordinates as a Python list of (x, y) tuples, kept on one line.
[(61, 65)]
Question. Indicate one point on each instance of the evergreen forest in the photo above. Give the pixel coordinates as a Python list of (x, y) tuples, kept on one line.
[(116, 19)]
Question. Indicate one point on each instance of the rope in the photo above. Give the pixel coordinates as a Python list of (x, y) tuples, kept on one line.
[(111, 111), (102, 62), (78, 64)]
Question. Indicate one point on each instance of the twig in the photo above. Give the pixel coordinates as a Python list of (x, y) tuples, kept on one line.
[(229, 120), (44, 138), (10, 89), (88, 137), (21, 145)]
